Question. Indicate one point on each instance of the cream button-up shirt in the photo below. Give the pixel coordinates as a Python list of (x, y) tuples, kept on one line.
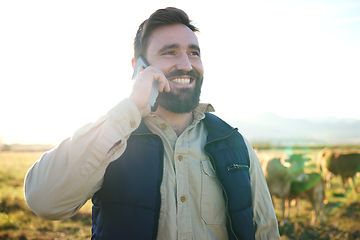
[(192, 203)]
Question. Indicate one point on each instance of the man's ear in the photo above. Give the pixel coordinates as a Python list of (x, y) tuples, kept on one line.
[(133, 62)]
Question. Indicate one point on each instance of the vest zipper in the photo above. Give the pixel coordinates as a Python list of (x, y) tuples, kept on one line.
[(226, 197), (235, 166)]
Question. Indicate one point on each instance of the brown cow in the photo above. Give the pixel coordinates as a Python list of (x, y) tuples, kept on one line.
[(346, 165)]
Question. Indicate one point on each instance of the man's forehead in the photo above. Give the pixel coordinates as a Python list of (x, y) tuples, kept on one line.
[(176, 35)]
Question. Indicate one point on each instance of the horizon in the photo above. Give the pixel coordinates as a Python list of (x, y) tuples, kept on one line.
[(64, 64)]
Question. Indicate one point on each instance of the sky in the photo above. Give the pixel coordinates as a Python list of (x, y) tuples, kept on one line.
[(65, 63)]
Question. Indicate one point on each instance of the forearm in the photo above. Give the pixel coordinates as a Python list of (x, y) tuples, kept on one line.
[(64, 178)]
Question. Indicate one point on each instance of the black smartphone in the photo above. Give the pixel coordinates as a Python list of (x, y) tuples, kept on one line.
[(141, 62)]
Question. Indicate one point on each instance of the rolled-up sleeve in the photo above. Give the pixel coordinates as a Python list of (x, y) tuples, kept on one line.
[(64, 178), (264, 213)]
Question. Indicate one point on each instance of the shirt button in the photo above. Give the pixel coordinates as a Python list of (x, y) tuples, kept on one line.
[(163, 126), (180, 157), (182, 198), (132, 123)]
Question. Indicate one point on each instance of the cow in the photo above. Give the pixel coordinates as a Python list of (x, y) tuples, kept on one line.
[(345, 165), (279, 176)]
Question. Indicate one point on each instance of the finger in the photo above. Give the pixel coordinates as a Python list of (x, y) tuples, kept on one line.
[(167, 86), (163, 84)]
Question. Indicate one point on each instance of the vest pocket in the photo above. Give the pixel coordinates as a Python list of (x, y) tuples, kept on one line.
[(212, 199)]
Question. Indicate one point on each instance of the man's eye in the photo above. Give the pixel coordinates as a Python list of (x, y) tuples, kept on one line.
[(195, 53), (169, 53)]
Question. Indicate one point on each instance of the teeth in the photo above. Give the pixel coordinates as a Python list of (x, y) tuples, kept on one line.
[(181, 80)]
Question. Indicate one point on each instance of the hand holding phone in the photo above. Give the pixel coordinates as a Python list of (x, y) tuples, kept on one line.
[(141, 62)]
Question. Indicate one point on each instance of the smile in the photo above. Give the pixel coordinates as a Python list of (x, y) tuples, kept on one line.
[(186, 80)]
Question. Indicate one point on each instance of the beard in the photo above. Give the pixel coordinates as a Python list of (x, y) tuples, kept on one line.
[(186, 99)]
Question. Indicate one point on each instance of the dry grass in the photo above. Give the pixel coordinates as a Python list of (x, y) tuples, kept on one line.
[(17, 221)]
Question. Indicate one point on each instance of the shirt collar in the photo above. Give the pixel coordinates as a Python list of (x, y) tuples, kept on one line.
[(198, 113), (201, 109)]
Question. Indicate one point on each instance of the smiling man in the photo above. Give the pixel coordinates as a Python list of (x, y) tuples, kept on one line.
[(174, 50), (176, 173)]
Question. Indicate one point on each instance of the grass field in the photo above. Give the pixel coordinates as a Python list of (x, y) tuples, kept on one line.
[(18, 222)]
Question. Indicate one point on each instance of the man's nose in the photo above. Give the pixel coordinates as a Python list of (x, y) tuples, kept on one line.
[(184, 63)]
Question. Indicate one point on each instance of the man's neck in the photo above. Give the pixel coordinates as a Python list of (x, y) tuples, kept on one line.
[(178, 121)]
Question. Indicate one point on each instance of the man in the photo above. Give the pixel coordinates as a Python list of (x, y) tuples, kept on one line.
[(175, 173)]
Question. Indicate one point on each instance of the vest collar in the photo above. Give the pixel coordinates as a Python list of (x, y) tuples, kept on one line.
[(217, 128)]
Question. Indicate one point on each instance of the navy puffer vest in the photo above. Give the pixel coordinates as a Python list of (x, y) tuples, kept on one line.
[(128, 204)]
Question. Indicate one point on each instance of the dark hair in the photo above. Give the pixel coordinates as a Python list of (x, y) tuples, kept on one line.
[(159, 18)]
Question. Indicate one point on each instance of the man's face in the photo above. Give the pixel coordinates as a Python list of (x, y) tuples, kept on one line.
[(174, 49)]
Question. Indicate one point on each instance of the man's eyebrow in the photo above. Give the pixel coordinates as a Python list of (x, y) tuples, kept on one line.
[(175, 45), (167, 47), (195, 46)]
